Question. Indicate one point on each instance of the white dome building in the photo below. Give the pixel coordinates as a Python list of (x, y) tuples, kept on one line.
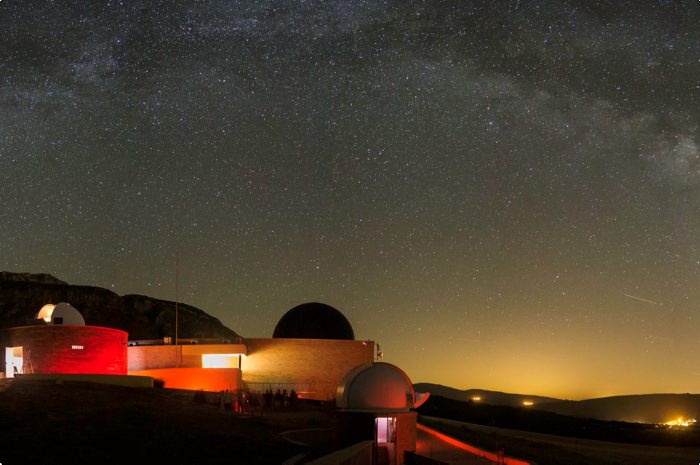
[(60, 314), (376, 387), (374, 402)]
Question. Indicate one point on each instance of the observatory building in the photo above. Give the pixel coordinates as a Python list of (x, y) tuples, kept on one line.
[(312, 348), (313, 351), (61, 343), (374, 402)]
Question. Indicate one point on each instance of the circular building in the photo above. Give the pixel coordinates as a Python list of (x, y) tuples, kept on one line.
[(64, 346), (314, 320), (374, 403)]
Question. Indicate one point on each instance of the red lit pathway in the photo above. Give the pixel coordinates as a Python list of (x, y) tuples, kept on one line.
[(432, 444)]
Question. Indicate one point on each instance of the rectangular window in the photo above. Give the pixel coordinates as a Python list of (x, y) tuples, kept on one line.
[(220, 360)]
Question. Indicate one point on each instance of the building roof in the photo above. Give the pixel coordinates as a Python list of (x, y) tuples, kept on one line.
[(314, 320)]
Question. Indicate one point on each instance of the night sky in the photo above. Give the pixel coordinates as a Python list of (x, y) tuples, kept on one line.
[(503, 194)]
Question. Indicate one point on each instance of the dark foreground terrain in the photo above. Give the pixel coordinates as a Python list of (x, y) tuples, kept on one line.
[(547, 449), (528, 419), (85, 423)]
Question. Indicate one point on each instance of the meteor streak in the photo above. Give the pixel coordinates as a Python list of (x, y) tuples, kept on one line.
[(641, 299)]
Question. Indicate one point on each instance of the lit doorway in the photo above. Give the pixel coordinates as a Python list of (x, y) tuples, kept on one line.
[(385, 437), (14, 361)]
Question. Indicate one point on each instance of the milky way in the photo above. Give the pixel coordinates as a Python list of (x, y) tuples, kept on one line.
[(503, 194)]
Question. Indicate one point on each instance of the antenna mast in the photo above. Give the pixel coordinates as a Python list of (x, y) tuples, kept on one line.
[(177, 309)]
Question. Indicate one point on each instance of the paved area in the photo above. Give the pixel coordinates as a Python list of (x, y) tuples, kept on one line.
[(430, 446)]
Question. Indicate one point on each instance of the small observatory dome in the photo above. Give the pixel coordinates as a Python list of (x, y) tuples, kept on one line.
[(61, 314), (314, 320), (376, 387)]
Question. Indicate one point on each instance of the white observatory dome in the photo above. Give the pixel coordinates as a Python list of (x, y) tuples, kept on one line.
[(376, 387), (61, 314)]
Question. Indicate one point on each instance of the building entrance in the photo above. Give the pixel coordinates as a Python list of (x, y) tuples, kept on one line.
[(14, 361), (385, 439)]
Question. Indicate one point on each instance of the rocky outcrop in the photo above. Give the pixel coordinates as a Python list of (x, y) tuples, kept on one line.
[(40, 278), (23, 294)]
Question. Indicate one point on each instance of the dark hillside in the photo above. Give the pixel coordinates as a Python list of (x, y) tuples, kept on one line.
[(487, 397), (22, 295), (527, 419)]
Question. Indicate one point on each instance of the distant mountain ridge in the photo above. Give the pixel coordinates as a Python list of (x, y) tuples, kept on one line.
[(143, 317), (643, 408), (485, 396)]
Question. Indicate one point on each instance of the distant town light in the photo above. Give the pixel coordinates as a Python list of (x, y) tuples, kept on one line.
[(680, 422), (476, 398), (528, 403)]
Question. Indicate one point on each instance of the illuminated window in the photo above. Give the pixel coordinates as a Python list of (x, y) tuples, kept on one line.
[(77, 347), (220, 360), (14, 362)]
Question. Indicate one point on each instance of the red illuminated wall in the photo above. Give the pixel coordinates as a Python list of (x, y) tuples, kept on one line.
[(57, 349), (194, 379)]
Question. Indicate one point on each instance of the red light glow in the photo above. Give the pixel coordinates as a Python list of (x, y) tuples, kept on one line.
[(471, 449)]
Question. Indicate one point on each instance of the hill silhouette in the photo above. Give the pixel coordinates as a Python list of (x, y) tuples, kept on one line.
[(143, 317), (485, 396), (643, 408)]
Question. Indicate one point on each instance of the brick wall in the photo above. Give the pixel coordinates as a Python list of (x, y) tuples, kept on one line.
[(70, 349), (321, 363), (184, 356), (153, 357)]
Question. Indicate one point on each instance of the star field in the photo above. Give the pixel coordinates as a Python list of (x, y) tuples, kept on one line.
[(505, 195)]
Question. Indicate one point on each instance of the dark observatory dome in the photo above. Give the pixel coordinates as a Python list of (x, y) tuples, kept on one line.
[(314, 321)]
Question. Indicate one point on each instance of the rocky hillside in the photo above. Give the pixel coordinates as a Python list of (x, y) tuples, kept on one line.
[(23, 294)]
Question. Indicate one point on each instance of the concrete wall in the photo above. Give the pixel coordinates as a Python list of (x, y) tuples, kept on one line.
[(114, 380), (69, 349), (320, 363), (405, 433)]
